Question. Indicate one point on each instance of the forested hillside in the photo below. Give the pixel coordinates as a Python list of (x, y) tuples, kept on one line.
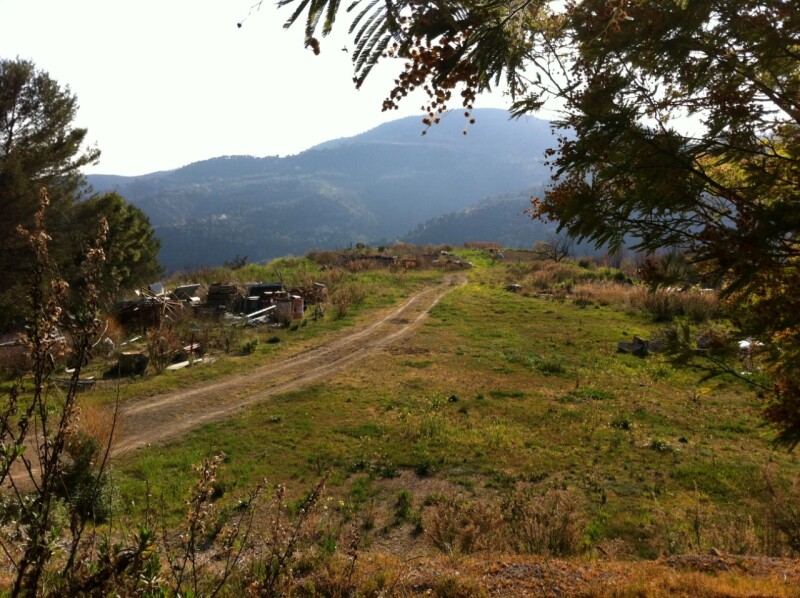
[(371, 188)]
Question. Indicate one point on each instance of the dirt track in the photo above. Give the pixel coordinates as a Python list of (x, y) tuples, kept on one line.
[(162, 418)]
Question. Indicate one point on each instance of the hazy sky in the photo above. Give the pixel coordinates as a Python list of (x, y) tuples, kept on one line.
[(162, 83)]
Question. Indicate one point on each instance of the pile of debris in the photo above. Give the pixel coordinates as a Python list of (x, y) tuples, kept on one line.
[(224, 297), (149, 308)]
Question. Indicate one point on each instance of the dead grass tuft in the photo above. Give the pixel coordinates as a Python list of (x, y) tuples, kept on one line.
[(98, 422), (457, 526)]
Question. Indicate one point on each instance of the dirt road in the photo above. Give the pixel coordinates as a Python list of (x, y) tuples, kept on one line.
[(162, 418)]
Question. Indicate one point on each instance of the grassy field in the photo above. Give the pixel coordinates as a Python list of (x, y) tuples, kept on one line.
[(505, 446), (505, 408)]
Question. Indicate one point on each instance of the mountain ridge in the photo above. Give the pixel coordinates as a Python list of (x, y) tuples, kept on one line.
[(374, 187)]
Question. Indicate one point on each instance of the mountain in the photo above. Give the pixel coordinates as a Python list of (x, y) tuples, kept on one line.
[(500, 219), (373, 187)]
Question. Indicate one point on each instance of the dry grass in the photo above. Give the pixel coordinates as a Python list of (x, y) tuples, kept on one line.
[(661, 305), (457, 526), (605, 293), (115, 331), (542, 275), (664, 304), (344, 296), (98, 422), (537, 576)]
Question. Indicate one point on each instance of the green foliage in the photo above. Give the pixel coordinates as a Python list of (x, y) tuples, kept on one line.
[(248, 347), (131, 247), (84, 485), (626, 75), (594, 394), (40, 148)]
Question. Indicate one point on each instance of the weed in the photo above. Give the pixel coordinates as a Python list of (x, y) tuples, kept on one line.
[(458, 587), (663, 305), (506, 394), (85, 487), (783, 512), (418, 364)]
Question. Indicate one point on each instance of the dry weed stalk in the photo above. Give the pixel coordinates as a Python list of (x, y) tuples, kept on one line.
[(44, 424), (207, 540)]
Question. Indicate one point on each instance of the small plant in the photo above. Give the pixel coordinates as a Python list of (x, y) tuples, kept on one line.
[(248, 347), (660, 446), (622, 422), (549, 365), (163, 342), (85, 487), (403, 506), (783, 512), (458, 587), (581, 298)]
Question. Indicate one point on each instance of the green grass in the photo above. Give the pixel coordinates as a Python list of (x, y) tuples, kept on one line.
[(543, 399)]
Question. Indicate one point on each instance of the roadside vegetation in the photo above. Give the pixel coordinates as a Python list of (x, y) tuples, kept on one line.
[(509, 426)]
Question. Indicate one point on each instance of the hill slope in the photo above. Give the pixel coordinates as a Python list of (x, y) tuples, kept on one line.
[(369, 188)]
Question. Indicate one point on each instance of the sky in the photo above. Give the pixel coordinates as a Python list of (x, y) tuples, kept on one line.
[(164, 83)]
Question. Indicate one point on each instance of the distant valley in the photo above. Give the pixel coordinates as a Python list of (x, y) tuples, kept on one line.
[(388, 184)]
